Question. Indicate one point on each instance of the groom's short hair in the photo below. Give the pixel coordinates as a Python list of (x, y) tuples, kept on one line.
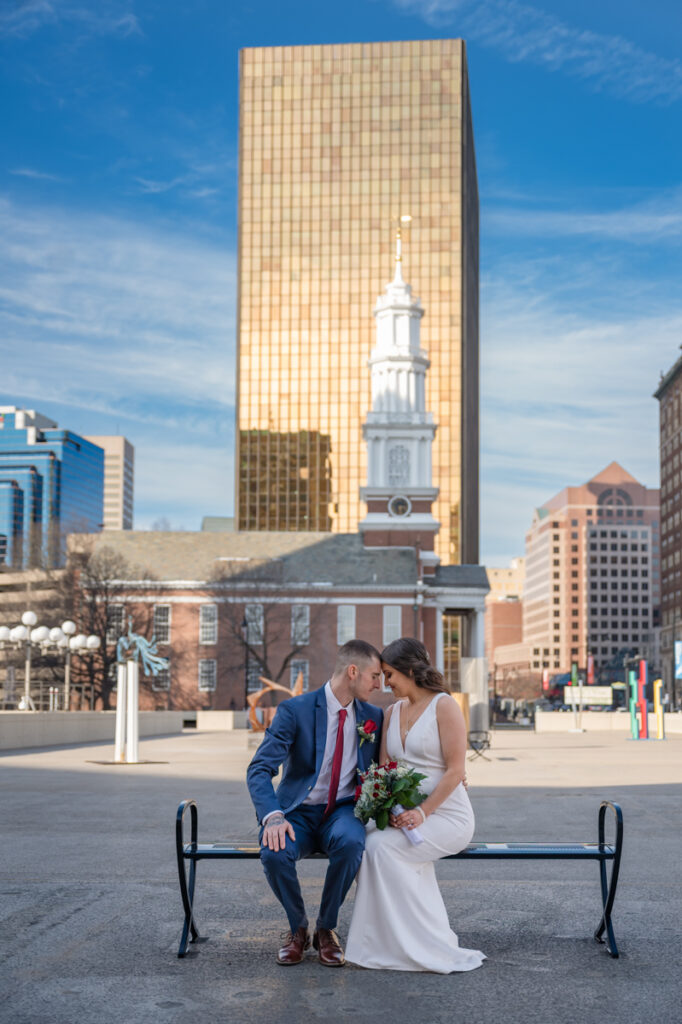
[(355, 652)]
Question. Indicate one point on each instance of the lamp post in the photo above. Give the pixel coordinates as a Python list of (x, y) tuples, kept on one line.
[(245, 634), (28, 634)]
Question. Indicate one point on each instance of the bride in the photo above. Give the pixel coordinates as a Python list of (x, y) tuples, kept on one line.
[(399, 919)]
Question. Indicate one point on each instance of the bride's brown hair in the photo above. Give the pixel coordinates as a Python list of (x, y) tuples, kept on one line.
[(410, 657)]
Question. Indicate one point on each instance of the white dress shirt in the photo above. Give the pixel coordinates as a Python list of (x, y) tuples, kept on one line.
[(319, 794)]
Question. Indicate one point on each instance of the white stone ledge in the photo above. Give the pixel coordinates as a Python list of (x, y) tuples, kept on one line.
[(602, 721), (20, 729)]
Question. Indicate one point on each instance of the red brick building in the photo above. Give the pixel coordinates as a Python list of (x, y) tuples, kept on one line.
[(226, 608)]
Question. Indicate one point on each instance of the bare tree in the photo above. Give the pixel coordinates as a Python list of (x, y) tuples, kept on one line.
[(265, 634), (95, 591)]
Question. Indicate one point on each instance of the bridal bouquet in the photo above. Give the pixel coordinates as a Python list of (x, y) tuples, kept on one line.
[(383, 788)]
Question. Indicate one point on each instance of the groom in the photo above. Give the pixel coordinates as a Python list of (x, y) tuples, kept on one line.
[(318, 737)]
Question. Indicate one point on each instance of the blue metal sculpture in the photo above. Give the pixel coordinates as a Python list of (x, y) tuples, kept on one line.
[(134, 646)]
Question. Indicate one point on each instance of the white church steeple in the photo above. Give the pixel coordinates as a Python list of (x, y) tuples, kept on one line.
[(398, 430)]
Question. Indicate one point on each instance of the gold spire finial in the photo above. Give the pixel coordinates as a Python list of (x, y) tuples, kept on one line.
[(403, 219)]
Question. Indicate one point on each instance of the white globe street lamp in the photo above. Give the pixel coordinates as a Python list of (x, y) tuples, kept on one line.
[(66, 638)]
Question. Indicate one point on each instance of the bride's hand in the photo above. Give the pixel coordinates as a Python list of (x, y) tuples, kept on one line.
[(408, 819)]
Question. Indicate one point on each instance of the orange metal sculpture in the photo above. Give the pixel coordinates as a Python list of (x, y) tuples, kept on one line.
[(253, 699)]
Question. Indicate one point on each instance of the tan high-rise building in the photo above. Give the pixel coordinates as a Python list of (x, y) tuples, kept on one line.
[(592, 574), (119, 481), (336, 143), (503, 607)]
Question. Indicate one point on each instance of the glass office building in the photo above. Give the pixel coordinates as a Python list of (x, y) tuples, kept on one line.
[(336, 142), (51, 484)]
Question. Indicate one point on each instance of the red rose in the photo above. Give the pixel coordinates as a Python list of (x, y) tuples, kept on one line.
[(392, 764), (369, 725), (358, 791)]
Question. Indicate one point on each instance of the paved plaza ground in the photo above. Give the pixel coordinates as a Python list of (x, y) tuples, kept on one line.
[(91, 912)]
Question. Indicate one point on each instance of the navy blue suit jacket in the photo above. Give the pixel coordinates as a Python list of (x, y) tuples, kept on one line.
[(296, 739)]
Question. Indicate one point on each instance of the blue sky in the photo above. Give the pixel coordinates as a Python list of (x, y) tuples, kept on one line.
[(118, 228)]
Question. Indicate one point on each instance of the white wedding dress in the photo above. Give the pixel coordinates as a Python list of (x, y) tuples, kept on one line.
[(399, 920)]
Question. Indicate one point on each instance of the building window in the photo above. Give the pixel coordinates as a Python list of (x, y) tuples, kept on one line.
[(253, 613), (208, 674), (392, 623), (398, 465), (345, 624), (162, 621), (300, 624), (162, 681), (208, 624), (298, 667), (253, 675), (115, 627)]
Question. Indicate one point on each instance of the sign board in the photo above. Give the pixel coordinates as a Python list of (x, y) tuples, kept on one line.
[(591, 695), (678, 659)]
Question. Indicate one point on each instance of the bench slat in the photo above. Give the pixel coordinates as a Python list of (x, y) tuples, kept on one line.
[(484, 851)]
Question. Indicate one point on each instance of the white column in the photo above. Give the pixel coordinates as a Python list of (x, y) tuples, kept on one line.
[(474, 675), (440, 653), (121, 690), (132, 723)]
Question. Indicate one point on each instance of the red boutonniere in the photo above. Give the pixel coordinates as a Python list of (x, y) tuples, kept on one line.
[(367, 731)]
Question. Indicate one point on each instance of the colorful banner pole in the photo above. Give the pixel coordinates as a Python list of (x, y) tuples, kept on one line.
[(641, 702), (634, 724), (658, 709), (590, 670)]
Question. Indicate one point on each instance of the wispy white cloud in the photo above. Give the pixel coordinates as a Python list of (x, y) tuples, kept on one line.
[(105, 18), (104, 322), (654, 220), (29, 172), (151, 187), (522, 32)]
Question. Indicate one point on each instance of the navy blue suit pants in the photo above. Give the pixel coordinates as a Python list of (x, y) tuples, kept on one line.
[(341, 836)]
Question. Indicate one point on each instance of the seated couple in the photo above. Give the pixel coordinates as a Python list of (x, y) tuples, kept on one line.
[(324, 739)]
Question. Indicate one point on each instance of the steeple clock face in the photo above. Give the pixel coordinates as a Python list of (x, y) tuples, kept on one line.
[(399, 506)]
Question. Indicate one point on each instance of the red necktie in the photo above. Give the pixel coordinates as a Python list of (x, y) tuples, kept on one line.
[(336, 764)]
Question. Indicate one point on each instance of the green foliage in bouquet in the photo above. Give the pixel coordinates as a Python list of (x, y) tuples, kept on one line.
[(382, 787)]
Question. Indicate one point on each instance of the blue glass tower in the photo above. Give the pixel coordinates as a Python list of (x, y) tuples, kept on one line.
[(51, 484)]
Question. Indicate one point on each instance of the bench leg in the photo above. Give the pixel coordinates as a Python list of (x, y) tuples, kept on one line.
[(186, 885), (187, 892), (608, 886)]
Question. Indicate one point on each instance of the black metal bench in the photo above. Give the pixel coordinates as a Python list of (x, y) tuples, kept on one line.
[(190, 853)]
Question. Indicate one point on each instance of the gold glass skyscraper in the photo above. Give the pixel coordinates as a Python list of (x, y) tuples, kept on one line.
[(336, 142)]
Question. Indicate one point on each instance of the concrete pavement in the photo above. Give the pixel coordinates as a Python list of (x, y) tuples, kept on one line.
[(91, 912)]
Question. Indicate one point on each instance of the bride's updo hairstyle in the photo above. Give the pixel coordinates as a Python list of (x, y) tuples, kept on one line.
[(410, 657)]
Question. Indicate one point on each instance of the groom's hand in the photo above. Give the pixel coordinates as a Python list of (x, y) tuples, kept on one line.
[(275, 832)]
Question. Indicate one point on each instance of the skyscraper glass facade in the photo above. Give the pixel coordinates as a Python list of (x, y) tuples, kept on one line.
[(336, 142), (51, 484)]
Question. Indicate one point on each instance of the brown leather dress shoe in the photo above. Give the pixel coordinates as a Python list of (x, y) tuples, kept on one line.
[(294, 946), (329, 949)]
